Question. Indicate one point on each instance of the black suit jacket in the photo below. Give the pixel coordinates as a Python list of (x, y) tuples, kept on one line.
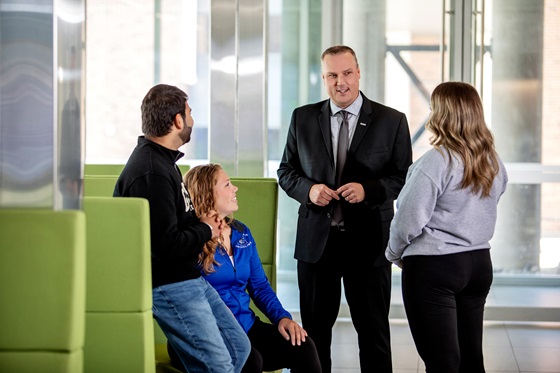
[(378, 158)]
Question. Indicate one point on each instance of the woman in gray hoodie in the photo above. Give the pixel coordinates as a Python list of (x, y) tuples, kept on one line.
[(441, 231)]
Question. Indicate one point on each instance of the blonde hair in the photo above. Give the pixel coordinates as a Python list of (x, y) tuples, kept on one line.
[(457, 123), (200, 182)]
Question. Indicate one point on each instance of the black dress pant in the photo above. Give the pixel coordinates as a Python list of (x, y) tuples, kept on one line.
[(444, 298), (368, 292)]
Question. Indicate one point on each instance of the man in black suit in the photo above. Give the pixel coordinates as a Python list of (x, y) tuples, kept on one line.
[(344, 219)]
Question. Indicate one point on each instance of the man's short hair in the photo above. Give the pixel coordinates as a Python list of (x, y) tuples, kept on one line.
[(339, 49), (159, 108)]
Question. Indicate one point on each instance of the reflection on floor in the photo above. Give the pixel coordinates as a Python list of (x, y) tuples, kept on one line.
[(513, 341)]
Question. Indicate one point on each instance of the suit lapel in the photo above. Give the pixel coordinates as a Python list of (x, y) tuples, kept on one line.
[(325, 125), (364, 122)]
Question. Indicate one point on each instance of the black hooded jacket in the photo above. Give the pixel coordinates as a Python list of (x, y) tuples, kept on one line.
[(177, 236)]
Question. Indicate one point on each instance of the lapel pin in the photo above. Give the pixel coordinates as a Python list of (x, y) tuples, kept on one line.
[(362, 124)]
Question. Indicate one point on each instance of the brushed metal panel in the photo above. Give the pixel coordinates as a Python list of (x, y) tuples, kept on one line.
[(26, 104), (251, 89), (70, 115), (223, 85), (30, 108), (237, 81)]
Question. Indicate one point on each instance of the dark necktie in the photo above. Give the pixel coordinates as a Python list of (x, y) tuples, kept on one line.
[(340, 160)]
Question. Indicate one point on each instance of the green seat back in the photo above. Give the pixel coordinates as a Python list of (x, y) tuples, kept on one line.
[(118, 259), (258, 209), (100, 179), (42, 290), (119, 331), (94, 169), (99, 186)]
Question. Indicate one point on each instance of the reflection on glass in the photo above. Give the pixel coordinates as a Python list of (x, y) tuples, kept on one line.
[(70, 126)]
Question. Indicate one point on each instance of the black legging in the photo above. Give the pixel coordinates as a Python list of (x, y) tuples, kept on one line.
[(270, 351), (444, 298)]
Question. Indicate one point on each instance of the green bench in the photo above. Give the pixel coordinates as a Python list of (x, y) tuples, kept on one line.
[(258, 201), (42, 290)]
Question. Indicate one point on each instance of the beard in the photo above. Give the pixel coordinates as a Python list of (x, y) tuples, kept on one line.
[(185, 134)]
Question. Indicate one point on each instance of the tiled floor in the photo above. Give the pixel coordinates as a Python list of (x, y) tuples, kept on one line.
[(509, 346)]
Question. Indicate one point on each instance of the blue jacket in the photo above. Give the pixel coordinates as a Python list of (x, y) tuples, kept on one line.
[(247, 280)]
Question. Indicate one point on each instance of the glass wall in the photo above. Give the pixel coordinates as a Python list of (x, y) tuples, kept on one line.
[(131, 46), (405, 48), (518, 84), (423, 44)]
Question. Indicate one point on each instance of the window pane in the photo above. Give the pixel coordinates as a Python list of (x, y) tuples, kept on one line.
[(132, 46), (519, 89)]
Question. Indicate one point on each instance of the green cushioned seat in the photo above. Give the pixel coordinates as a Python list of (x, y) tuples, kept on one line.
[(42, 361), (42, 288), (119, 342), (119, 330)]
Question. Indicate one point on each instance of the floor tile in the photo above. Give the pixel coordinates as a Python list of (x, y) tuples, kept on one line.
[(500, 358), (400, 333), (405, 357), (495, 334), (345, 355), (541, 359), (344, 332), (534, 334)]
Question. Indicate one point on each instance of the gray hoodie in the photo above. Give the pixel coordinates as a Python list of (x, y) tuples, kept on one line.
[(435, 217)]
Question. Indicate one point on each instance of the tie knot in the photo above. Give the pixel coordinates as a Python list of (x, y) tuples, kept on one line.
[(343, 114)]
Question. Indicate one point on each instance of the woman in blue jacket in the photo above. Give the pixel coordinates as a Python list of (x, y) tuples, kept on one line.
[(231, 264)]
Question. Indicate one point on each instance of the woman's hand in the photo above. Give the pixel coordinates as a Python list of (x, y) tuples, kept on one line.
[(292, 330)]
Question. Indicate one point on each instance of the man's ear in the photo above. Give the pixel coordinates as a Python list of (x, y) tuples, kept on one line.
[(178, 121)]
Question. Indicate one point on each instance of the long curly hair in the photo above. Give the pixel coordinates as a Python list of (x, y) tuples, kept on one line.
[(200, 182), (457, 124)]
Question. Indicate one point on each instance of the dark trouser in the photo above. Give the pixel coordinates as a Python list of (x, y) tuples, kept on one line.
[(270, 351), (368, 292), (444, 298)]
